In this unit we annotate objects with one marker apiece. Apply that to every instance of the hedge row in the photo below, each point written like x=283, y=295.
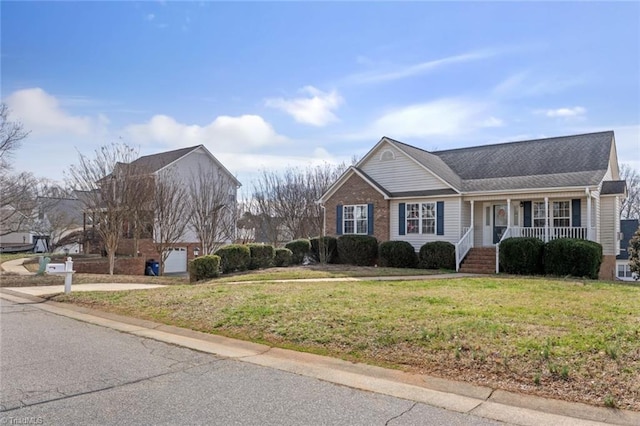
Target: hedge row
x=360, y=250
x=561, y=257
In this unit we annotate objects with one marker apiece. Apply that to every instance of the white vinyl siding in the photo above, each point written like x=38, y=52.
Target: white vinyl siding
x=609, y=225
x=451, y=223
x=400, y=173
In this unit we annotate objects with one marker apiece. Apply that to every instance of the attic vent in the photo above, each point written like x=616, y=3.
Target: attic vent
x=387, y=155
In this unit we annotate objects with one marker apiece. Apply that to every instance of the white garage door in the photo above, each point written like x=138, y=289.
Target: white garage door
x=176, y=260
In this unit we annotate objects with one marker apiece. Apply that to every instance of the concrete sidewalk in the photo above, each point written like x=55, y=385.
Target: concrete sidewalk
x=53, y=289
x=15, y=267
x=460, y=397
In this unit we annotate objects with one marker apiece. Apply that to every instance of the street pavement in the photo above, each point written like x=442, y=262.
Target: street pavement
x=56, y=370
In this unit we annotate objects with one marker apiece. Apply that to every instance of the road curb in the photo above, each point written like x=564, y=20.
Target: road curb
x=455, y=396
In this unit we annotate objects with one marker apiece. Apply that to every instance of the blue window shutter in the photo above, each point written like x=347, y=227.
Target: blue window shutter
x=527, y=214
x=575, y=213
x=401, y=219
x=339, y=219
x=370, y=219
x=440, y=218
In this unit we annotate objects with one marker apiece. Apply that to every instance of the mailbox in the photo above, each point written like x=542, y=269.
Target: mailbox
x=55, y=268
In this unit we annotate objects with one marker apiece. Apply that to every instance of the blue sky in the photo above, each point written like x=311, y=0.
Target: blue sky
x=268, y=85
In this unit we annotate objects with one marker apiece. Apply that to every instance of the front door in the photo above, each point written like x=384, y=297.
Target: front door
x=500, y=221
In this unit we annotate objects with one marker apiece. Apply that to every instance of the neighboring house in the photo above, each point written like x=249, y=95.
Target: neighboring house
x=58, y=219
x=475, y=197
x=628, y=228
x=182, y=165
x=20, y=236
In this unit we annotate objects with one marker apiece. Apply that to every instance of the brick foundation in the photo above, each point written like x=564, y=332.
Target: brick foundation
x=608, y=268
x=357, y=191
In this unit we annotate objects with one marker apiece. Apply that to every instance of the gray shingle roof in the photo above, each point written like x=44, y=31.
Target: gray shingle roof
x=566, y=154
x=154, y=162
x=613, y=187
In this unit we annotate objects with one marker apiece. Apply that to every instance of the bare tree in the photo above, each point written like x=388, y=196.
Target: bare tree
x=286, y=203
x=17, y=201
x=170, y=206
x=105, y=181
x=212, y=207
x=11, y=135
x=630, y=208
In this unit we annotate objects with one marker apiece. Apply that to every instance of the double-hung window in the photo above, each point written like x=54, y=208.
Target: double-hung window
x=355, y=219
x=421, y=218
x=561, y=214
x=539, y=211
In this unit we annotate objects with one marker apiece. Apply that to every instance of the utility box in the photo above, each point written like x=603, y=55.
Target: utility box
x=55, y=268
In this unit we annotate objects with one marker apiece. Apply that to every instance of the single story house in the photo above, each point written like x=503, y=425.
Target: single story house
x=475, y=197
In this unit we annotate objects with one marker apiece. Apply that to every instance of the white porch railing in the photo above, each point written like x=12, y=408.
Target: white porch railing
x=463, y=246
x=582, y=233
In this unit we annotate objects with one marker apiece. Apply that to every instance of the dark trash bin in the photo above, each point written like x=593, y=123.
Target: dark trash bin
x=151, y=267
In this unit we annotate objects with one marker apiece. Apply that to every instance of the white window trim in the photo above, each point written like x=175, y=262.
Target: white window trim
x=420, y=218
x=550, y=213
x=365, y=208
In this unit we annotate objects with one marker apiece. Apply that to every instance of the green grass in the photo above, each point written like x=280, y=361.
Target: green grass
x=322, y=271
x=492, y=331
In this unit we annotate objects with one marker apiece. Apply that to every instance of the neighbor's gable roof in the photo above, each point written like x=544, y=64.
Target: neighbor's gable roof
x=155, y=162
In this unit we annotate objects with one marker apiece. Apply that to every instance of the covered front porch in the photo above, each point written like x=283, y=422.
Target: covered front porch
x=485, y=222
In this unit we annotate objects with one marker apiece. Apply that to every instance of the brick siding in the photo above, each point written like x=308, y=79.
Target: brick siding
x=357, y=191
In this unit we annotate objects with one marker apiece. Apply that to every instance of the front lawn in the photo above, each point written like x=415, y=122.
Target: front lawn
x=564, y=339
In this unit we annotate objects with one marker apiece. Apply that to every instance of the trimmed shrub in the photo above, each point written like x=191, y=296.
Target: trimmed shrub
x=234, y=257
x=437, y=255
x=299, y=249
x=397, y=254
x=204, y=267
x=567, y=256
x=283, y=257
x=324, y=249
x=261, y=256
x=360, y=250
x=522, y=255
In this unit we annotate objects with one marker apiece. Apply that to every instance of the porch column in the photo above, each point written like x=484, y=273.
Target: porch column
x=546, y=219
x=589, y=236
x=471, y=224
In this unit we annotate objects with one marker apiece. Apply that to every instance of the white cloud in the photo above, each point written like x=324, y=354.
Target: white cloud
x=316, y=109
x=442, y=117
x=400, y=72
x=150, y=17
x=225, y=133
x=564, y=112
x=41, y=113
x=522, y=84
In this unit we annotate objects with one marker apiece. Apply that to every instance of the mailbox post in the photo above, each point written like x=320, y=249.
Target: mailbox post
x=65, y=268
x=68, y=271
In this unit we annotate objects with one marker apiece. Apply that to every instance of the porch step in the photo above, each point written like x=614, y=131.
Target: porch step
x=479, y=260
